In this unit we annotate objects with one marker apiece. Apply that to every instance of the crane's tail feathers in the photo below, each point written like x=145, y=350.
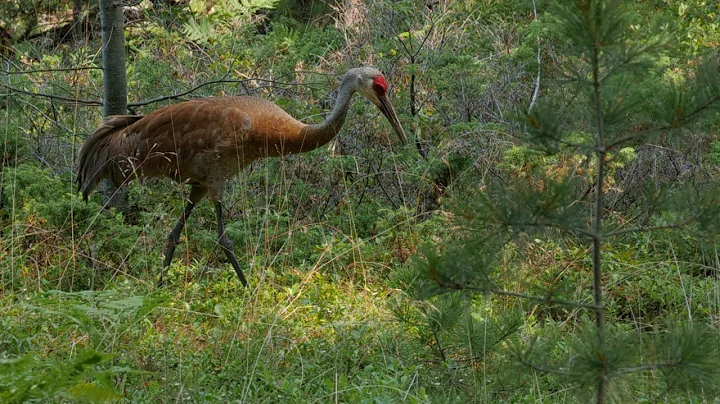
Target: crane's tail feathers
x=100, y=148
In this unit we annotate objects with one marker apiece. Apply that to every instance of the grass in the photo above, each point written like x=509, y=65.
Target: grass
x=319, y=323
x=211, y=339
x=320, y=238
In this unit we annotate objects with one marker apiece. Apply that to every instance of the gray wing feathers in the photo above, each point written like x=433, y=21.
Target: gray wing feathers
x=100, y=149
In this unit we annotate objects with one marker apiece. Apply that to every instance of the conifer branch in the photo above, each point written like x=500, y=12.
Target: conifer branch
x=548, y=299
x=697, y=111
x=557, y=226
x=680, y=121
x=523, y=358
x=654, y=228
x=630, y=57
x=484, y=290
x=545, y=369
x=643, y=368
x=439, y=345
x=635, y=136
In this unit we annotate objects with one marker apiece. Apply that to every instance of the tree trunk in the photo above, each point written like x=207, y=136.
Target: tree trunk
x=77, y=30
x=114, y=81
x=602, y=379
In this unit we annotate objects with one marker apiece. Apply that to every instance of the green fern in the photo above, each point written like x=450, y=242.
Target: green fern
x=28, y=378
x=210, y=22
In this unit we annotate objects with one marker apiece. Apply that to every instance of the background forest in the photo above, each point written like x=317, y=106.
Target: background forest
x=550, y=233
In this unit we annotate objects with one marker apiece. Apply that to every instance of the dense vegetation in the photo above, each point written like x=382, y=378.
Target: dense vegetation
x=549, y=235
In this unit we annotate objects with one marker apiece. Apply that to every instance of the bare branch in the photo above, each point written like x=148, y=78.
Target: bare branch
x=427, y=35
x=91, y=103
x=208, y=83
x=133, y=105
x=68, y=69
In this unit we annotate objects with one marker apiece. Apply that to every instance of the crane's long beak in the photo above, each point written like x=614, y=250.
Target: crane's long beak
x=389, y=112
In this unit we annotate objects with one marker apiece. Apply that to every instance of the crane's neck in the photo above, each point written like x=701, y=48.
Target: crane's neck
x=317, y=135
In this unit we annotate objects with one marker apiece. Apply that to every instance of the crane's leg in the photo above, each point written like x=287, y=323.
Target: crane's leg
x=196, y=194
x=226, y=244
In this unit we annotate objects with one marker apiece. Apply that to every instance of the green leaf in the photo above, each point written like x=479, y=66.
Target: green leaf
x=93, y=393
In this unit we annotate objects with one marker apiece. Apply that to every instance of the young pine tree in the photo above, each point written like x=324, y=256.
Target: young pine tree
x=610, y=98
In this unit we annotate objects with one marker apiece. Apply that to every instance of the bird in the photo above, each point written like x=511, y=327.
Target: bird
x=206, y=141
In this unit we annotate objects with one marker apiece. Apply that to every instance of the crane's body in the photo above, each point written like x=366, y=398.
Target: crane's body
x=203, y=142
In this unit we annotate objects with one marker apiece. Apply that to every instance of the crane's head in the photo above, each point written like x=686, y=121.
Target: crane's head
x=371, y=84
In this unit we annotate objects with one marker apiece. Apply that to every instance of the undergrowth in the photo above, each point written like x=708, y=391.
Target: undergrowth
x=329, y=239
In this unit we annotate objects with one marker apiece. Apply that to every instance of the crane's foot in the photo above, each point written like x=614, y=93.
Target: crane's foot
x=169, y=252
x=173, y=240
x=226, y=244
x=227, y=247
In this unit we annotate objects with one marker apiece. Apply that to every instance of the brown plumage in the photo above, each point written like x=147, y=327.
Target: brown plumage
x=203, y=142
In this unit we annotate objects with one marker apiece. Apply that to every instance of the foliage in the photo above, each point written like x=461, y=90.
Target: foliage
x=22, y=380
x=607, y=67
x=103, y=317
x=212, y=21
x=456, y=269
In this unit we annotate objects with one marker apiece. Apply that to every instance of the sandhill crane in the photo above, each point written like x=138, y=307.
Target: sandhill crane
x=203, y=142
